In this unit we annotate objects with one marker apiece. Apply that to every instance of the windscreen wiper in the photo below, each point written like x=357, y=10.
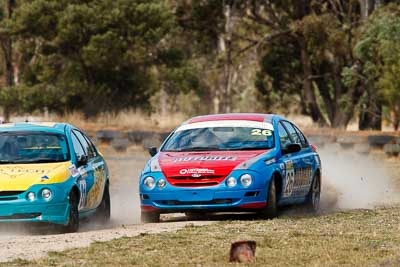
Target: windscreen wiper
x=40, y=160
x=199, y=148
x=247, y=148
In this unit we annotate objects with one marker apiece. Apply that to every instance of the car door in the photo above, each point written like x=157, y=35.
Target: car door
x=287, y=163
x=303, y=161
x=85, y=171
x=98, y=172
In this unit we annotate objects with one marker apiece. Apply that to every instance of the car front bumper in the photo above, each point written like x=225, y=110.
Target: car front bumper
x=26, y=212
x=208, y=198
x=203, y=199
x=17, y=208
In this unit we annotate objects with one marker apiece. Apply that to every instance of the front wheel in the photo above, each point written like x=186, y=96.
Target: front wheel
x=73, y=219
x=150, y=217
x=314, y=195
x=271, y=210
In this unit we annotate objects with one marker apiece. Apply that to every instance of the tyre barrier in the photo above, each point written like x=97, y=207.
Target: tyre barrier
x=392, y=149
x=321, y=140
x=120, y=141
x=380, y=140
x=106, y=136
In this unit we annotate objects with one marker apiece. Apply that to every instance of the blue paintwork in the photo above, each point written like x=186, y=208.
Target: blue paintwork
x=155, y=199
x=56, y=210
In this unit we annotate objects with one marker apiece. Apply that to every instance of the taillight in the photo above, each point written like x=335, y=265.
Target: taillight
x=314, y=148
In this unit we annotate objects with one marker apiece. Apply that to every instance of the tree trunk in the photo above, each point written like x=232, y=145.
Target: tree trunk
x=396, y=117
x=6, y=46
x=367, y=7
x=226, y=84
x=308, y=90
x=370, y=117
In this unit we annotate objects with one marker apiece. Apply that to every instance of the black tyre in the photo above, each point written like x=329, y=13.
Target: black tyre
x=73, y=220
x=103, y=212
x=271, y=210
x=314, y=195
x=150, y=217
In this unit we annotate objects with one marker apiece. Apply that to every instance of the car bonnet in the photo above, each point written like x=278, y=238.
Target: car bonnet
x=19, y=177
x=207, y=163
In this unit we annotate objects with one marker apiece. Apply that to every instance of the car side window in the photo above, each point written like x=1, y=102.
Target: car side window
x=292, y=132
x=91, y=145
x=85, y=144
x=283, y=136
x=303, y=140
x=79, y=151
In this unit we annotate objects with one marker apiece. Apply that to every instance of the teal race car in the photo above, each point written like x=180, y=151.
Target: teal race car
x=51, y=173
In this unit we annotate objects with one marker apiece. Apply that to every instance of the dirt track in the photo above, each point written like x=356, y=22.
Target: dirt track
x=18, y=243
x=125, y=169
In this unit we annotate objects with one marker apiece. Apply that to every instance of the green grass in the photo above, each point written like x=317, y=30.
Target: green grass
x=354, y=238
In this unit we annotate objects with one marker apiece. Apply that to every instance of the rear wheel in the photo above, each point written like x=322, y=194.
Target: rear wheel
x=73, y=220
x=314, y=195
x=150, y=217
x=271, y=210
x=104, y=210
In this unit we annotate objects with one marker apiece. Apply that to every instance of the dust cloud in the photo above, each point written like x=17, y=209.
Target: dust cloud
x=353, y=180
x=124, y=171
x=124, y=189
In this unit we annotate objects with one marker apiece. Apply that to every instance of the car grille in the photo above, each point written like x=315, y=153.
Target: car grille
x=194, y=203
x=8, y=198
x=189, y=181
x=21, y=216
x=9, y=193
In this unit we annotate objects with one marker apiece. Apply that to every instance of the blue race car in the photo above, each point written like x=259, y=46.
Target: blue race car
x=231, y=162
x=51, y=172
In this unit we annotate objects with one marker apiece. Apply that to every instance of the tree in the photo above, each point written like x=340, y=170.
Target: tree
x=378, y=48
x=319, y=35
x=6, y=48
x=95, y=55
x=215, y=32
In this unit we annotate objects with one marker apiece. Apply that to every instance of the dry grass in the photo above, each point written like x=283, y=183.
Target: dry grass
x=128, y=120
x=137, y=120
x=354, y=238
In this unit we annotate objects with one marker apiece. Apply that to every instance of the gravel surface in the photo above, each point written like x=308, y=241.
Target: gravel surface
x=348, y=180
x=18, y=242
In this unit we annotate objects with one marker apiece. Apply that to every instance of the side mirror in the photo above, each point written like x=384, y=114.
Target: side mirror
x=291, y=148
x=152, y=151
x=82, y=160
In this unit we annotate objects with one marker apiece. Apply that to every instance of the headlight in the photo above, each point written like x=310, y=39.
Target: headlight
x=30, y=196
x=155, y=165
x=149, y=182
x=161, y=183
x=46, y=194
x=231, y=182
x=246, y=180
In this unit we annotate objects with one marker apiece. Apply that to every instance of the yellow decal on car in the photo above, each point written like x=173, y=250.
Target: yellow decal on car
x=20, y=177
x=95, y=193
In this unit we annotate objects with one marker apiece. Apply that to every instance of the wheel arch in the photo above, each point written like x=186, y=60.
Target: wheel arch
x=317, y=173
x=75, y=190
x=278, y=183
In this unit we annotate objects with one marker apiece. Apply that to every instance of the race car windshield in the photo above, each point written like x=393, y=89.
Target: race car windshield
x=32, y=147
x=220, y=138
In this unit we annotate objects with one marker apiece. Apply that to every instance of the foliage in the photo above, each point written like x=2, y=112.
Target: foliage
x=323, y=58
x=99, y=54
x=379, y=50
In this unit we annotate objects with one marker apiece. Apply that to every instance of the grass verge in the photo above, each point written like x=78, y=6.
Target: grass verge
x=353, y=238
